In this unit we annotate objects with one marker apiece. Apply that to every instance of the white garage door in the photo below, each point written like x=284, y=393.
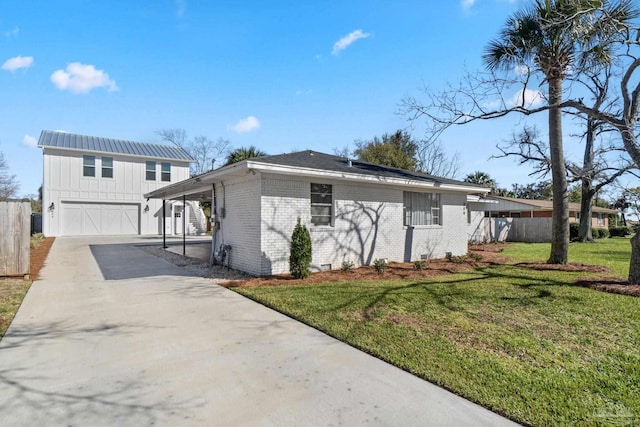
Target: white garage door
x=99, y=218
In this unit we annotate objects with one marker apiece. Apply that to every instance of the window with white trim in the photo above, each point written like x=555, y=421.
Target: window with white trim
x=600, y=219
x=107, y=167
x=151, y=171
x=421, y=208
x=88, y=165
x=165, y=172
x=321, y=204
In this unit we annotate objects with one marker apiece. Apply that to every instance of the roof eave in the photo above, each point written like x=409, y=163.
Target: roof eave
x=111, y=153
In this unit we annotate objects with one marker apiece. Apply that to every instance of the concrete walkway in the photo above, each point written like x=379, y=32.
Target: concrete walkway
x=114, y=336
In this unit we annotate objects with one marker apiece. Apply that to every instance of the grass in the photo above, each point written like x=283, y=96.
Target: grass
x=524, y=343
x=12, y=292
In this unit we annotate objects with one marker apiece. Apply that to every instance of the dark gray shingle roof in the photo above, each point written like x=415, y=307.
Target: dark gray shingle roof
x=316, y=160
x=71, y=141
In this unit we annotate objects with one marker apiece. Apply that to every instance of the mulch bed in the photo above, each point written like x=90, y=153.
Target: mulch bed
x=38, y=257
x=490, y=255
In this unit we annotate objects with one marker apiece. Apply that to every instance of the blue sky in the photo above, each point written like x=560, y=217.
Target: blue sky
x=279, y=75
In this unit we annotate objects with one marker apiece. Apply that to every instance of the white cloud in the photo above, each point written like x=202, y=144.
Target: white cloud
x=467, y=4
x=348, y=40
x=522, y=69
x=246, y=125
x=532, y=99
x=304, y=92
x=29, y=141
x=17, y=62
x=79, y=78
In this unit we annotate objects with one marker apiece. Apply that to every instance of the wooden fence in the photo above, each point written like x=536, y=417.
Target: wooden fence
x=15, y=230
x=517, y=229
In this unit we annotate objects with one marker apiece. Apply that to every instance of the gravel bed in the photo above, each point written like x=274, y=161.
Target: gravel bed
x=196, y=266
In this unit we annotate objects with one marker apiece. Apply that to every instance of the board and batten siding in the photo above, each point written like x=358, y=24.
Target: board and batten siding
x=64, y=183
x=15, y=230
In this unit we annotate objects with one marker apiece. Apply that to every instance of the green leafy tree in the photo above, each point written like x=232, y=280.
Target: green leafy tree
x=397, y=150
x=244, y=153
x=554, y=37
x=481, y=178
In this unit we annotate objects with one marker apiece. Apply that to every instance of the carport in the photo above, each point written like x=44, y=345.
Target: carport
x=200, y=188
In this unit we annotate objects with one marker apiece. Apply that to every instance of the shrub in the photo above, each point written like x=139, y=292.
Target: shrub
x=620, y=231
x=419, y=265
x=300, y=255
x=600, y=233
x=574, y=231
x=347, y=266
x=474, y=256
x=380, y=265
x=36, y=240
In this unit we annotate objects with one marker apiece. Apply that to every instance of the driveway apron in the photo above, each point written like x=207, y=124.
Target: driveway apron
x=112, y=335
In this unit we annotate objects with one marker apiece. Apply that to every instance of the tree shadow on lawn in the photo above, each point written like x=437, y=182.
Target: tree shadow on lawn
x=446, y=292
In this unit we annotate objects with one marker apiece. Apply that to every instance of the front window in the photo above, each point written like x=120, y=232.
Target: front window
x=321, y=203
x=151, y=171
x=421, y=208
x=165, y=172
x=600, y=220
x=88, y=165
x=107, y=167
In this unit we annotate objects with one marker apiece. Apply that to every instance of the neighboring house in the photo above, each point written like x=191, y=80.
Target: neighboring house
x=509, y=207
x=95, y=186
x=355, y=211
x=523, y=220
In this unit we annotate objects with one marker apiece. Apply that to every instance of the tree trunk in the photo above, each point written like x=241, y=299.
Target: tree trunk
x=584, y=231
x=634, y=267
x=560, y=217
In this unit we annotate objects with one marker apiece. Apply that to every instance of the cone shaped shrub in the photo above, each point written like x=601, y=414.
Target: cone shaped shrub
x=300, y=256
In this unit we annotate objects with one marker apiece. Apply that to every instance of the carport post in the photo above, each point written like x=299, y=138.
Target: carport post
x=164, y=226
x=184, y=225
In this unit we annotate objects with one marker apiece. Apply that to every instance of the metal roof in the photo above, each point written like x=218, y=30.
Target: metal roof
x=547, y=205
x=70, y=141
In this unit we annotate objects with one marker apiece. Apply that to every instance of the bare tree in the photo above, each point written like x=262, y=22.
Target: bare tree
x=433, y=159
x=203, y=150
x=8, y=183
x=551, y=38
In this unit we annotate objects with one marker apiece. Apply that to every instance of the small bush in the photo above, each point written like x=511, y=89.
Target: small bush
x=419, y=265
x=620, y=231
x=347, y=266
x=36, y=240
x=456, y=259
x=574, y=231
x=449, y=256
x=474, y=256
x=300, y=255
x=600, y=233
x=380, y=265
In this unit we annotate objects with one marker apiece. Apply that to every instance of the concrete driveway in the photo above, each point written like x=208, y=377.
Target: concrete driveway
x=154, y=345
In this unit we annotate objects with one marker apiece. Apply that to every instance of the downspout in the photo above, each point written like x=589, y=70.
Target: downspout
x=214, y=230
x=164, y=225
x=184, y=225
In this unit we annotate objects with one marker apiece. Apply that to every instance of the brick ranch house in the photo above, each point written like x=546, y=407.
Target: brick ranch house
x=355, y=211
x=509, y=207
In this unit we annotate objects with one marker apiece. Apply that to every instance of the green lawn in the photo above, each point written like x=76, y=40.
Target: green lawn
x=524, y=343
x=12, y=291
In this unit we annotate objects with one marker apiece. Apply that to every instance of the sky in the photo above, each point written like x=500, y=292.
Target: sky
x=283, y=76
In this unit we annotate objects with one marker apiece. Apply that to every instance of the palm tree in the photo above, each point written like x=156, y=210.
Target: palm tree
x=553, y=37
x=481, y=178
x=243, y=153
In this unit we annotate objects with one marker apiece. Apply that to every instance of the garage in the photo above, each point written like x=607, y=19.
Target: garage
x=82, y=219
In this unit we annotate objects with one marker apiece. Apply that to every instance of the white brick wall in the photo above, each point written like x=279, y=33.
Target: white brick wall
x=240, y=226
x=367, y=224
